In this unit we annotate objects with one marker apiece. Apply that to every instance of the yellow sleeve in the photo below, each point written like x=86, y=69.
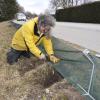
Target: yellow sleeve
x=48, y=46
x=27, y=35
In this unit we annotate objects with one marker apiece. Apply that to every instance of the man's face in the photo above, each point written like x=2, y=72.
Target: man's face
x=44, y=29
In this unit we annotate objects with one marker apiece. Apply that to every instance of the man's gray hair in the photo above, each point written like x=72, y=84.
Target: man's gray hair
x=46, y=19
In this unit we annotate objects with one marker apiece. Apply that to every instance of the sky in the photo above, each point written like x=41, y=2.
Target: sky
x=36, y=6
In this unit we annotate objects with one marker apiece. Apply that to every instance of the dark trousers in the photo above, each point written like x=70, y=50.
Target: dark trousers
x=13, y=55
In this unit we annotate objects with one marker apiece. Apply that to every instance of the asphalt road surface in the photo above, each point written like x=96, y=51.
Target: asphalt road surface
x=85, y=35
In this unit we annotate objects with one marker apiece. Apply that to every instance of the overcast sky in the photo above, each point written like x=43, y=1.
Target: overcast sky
x=36, y=6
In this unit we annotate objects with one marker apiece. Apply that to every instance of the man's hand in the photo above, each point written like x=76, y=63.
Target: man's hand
x=42, y=57
x=54, y=59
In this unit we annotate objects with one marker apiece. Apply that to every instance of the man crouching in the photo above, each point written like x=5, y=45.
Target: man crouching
x=29, y=36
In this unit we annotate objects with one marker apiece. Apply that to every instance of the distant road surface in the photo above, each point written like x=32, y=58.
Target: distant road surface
x=86, y=35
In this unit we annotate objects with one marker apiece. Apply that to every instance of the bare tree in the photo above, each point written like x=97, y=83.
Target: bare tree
x=70, y=3
x=20, y=9
x=64, y=3
x=55, y=4
x=61, y=3
x=77, y=2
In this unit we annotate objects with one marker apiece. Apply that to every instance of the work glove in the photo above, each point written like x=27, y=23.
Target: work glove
x=54, y=59
x=42, y=57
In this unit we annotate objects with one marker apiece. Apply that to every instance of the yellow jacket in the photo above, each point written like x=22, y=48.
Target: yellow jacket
x=28, y=37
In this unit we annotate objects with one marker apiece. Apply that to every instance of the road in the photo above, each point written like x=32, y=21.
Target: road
x=85, y=35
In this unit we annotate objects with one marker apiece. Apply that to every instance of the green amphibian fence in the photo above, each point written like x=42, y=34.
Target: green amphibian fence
x=77, y=69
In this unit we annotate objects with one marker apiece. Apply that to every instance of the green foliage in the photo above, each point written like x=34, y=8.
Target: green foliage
x=8, y=9
x=88, y=13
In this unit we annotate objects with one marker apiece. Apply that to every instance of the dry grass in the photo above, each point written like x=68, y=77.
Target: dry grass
x=29, y=79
